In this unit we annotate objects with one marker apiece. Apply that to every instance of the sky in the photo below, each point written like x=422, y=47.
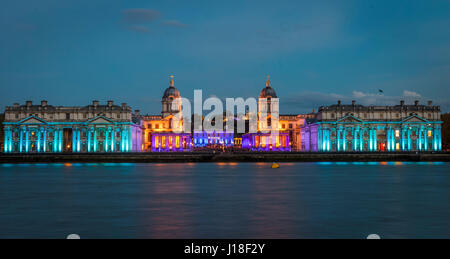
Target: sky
x=71, y=52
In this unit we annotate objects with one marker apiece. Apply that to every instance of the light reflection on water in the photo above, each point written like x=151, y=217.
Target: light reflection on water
x=225, y=200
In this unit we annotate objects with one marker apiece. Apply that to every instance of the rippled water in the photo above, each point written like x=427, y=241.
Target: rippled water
x=225, y=200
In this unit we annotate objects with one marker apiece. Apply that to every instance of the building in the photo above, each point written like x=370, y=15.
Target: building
x=163, y=133
x=340, y=128
x=268, y=137
x=92, y=128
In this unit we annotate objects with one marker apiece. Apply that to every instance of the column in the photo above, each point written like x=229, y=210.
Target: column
x=106, y=141
x=95, y=140
x=88, y=131
x=38, y=144
x=44, y=140
x=6, y=143
x=319, y=139
x=60, y=139
x=27, y=141
x=130, y=139
x=74, y=140
x=79, y=140
x=113, y=139
x=361, y=139
x=439, y=138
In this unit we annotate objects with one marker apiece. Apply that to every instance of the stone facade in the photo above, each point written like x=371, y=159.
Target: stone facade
x=91, y=128
x=374, y=128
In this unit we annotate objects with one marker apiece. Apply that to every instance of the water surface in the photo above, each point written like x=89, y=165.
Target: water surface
x=225, y=200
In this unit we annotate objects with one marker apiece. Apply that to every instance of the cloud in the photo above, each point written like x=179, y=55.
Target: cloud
x=407, y=93
x=174, y=23
x=140, y=15
x=139, y=28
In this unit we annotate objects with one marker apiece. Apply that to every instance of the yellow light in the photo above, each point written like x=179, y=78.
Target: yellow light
x=397, y=133
x=430, y=133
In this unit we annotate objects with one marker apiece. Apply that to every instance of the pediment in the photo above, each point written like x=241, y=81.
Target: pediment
x=414, y=118
x=33, y=120
x=100, y=120
x=349, y=119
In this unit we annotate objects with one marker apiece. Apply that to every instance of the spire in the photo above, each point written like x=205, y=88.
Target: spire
x=268, y=81
x=171, y=81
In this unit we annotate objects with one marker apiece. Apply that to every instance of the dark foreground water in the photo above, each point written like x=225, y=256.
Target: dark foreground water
x=225, y=200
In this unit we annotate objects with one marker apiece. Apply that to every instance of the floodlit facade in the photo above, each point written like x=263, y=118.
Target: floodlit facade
x=162, y=133
x=93, y=128
x=357, y=128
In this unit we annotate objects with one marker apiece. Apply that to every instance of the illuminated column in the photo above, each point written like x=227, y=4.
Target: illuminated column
x=122, y=138
x=60, y=139
x=338, y=140
x=27, y=141
x=419, y=140
x=113, y=140
x=95, y=140
x=404, y=132
x=74, y=140
x=319, y=139
x=11, y=140
x=44, y=140
x=439, y=138
x=38, y=143
x=106, y=142
x=79, y=140
x=130, y=139
x=388, y=138
x=89, y=140
x=425, y=137
x=5, y=146
x=361, y=139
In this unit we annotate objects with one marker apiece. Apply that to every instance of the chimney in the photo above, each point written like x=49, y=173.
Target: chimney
x=110, y=103
x=16, y=105
x=95, y=103
x=416, y=102
x=43, y=103
x=402, y=102
x=29, y=103
x=137, y=112
x=339, y=102
x=430, y=103
x=353, y=102
x=124, y=105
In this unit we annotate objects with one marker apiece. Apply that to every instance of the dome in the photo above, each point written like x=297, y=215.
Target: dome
x=268, y=91
x=171, y=91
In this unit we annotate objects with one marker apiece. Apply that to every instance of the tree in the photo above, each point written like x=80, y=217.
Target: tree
x=445, y=131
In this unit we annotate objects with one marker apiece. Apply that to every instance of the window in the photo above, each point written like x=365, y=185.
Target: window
x=290, y=125
x=365, y=115
x=67, y=116
x=430, y=133
x=269, y=122
x=429, y=115
x=157, y=126
x=332, y=115
x=397, y=133
x=149, y=126
x=283, y=126
x=381, y=115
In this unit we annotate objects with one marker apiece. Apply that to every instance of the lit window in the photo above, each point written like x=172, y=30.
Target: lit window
x=430, y=133
x=397, y=133
x=397, y=146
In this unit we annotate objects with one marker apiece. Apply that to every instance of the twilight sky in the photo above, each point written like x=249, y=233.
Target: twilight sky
x=71, y=52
